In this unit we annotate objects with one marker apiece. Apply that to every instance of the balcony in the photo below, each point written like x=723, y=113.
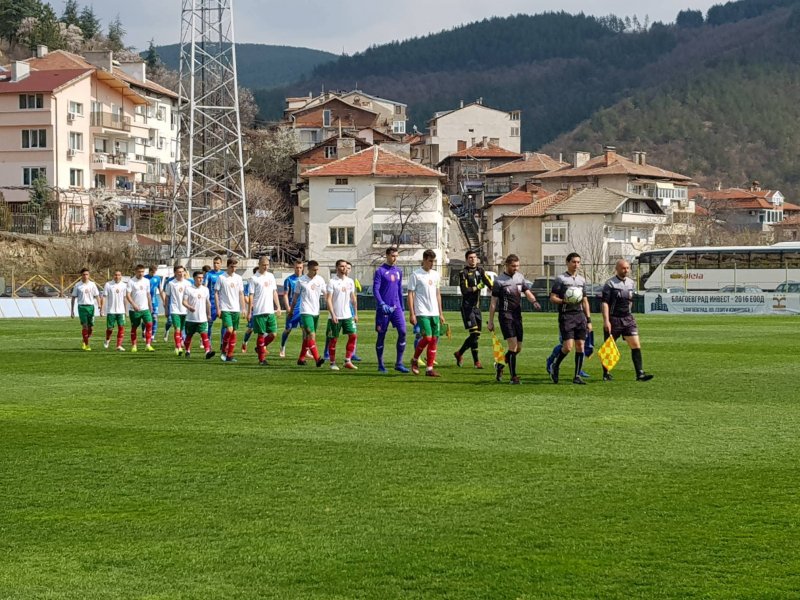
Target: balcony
x=101, y=160
x=108, y=120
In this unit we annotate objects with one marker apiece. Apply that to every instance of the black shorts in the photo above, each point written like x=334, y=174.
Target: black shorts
x=471, y=318
x=623, y=326
x=511, y=326
x=572, y=325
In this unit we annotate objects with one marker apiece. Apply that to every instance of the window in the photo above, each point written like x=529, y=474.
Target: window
x=100, y=145
x=515, y=115
x=326, y=118
x=31, y=174
x=418, y=234
x=161, y=114
x=555, y=233
x=633, y=206
x=31, y=101
x=433, y=131
x=398, y=109
x=76, y=214
x=341, y=199
x=122, y=220
x=34, y=138
x=330, y=152
x=343, y=236
x=161, y=142
x=515, y=132
x=76, y=178
x=341, y=181
x=399, y=127
x=75, y=140
x=76, y=108
x=554, y=259
x=100, y=180
x=494, y=141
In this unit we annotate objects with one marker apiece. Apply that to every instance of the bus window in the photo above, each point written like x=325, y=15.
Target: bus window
x=738, y=260
x=766, y=260
x=791, y=258
x=648, y=262
x=708, y=260
x=683, y=259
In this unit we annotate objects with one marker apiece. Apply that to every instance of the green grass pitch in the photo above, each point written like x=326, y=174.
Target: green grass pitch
x=150, y=476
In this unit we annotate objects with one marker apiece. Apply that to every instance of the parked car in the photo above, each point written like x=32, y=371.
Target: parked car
x=741, y=289
x=675, y=289
x=22, y=292
x=789, y=287
x=46, y=291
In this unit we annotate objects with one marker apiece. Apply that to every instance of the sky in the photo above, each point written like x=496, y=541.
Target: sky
x=353, y=25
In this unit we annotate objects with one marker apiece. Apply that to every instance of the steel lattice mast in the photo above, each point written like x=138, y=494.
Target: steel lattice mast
x=210, y=211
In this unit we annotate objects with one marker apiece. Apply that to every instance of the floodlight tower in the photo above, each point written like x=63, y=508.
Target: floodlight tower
x=210, y=211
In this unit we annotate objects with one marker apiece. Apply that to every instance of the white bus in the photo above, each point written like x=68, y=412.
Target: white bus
x=712, y=268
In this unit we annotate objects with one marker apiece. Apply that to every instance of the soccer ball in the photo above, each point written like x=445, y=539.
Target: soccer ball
x=573, y=295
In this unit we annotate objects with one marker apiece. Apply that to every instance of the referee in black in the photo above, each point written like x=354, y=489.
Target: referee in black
x=574, y=320
x=472, y=280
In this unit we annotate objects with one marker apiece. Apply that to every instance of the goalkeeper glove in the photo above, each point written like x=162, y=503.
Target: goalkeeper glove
x=387, y=310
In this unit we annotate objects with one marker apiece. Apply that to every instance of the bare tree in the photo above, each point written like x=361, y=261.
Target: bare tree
x=269, y=154
x=269, y=219
x=589, y=241
x=407, y=224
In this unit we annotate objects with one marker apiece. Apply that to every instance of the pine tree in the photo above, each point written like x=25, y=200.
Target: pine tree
x=70, y=16
x=116, y=34
x=89, y=23
x=12, y=12
x=152, y=58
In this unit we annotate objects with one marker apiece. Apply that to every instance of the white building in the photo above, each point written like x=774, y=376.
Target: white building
x=361, y=204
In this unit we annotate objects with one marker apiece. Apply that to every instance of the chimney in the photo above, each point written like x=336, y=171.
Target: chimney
x=561, y=157
x=41, y=51
x=345, y=146
x=136, y=69
x=485, y=142
x=462, y=104
x=718, y=186
x=580, y=158
x=610, y=154
x=19, y=70
x=527, y=155
x=755, y=186
x=461, y=145
x=102, y=59
x=640, y=158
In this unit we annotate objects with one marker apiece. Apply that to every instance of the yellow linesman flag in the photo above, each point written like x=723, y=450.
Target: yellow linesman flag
x=609, y=353
x=448, y=332
x=497, y=349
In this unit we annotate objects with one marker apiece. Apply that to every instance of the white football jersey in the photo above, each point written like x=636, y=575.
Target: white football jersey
x=139, y=289
x=175, y=291
x=197, y=297
x=310, y=292
x=425, y=285
x=85, y=292
x=262, y=290
x=229, y=288
x=115, y=297
x=340, y=291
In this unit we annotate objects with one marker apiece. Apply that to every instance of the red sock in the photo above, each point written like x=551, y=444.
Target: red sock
x=148, y=333
x=177, y=337
x=187, y=344
x=269, y=339
x=89, y=331
x=206, y=342
x=312, y=345
x=85, y=334
x=133, y=335
x=303, y=349
x=261, y=348
x=332, y=349
x=225, y=335
x=231, y=343
x=108, y=334
x=120, y=335
x=421, y=346
x=432, y=344
x=351, y=346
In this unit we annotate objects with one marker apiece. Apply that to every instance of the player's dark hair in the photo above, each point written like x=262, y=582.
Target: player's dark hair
x=312, y=264
x=428, y=254
x=299, y=261
x=217, y=257
x=572, y=255
x=469, y=253
x=153, y=268
x=84, y=270
x=349, y=264
x=340, y=261
x=139, y=266
x=511, y=258
x=255, y=270
x=176, y=266
x=206, y=269
x=196, y=273
x=391, y=249
x=232, y=261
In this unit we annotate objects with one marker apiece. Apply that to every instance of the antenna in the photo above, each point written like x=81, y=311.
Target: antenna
x=210, y=212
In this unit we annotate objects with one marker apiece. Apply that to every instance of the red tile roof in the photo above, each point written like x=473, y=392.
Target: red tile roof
x=792, y=221
x=42, y=81
x=521, y=195
x=539, y=207
x=614, y=164
x=480, y=150
x=740, y=199
x=372, y=162
x=536, y=163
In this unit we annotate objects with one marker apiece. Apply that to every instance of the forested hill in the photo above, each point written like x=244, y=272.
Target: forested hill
x=261, y=65
x=611, y=78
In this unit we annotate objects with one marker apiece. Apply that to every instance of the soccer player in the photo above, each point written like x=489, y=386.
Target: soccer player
x=114, y=292
x=229, y=292
x=210, y=281
x=308, y=290
x=574, y=318
x=198, y=307
x=471, y=281
x=289, y=290
x=618, y=319
x=140, y=302
x=249, y=331
x=264, y=306
x=156, y=294
x=84, y=293
x=507, y=291
x=425, y=310
x=343, y=310
x=176, y=289
x=353, y=310
x=387, y=286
